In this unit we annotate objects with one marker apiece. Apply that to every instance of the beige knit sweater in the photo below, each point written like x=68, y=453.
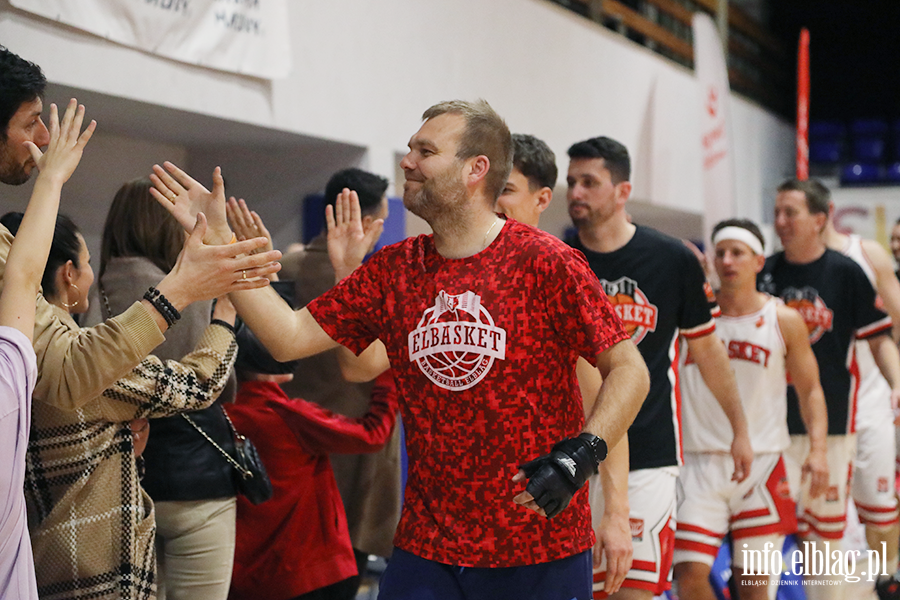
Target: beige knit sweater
x=76, y=365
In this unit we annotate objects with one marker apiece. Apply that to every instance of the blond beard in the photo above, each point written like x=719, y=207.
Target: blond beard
x=440, y=199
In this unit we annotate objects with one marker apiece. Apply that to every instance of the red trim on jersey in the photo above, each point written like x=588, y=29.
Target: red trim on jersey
x=637, y=585
x=885, y=516
x=785, y=507
x=700, y=330
x=874, y=329
x=826, y=519
x=875, y=523
x=695, y=529
x=666, y=549
x=854, y=391
x=751, y=514
x=835, y=532
x=779, y=528
x=676, y=394
x=827, y=535
x=880, y=509
x=643, y=565
x=691, y=545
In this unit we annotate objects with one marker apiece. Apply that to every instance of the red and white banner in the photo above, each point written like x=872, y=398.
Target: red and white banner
x=242, y=36
x=715, y=126
x=803, y=106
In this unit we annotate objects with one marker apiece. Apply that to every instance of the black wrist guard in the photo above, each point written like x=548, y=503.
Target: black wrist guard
x=554, y=478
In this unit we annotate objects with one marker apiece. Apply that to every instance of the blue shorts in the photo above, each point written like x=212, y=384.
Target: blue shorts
x=410, y=577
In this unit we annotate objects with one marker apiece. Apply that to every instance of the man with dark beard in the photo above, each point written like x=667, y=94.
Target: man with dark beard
x=659, y=290
x=482, y=323
x=91, y=360
x=21, y=105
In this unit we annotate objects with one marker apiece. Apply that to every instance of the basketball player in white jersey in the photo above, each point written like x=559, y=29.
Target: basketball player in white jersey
x=872, y=486
x=765, y=340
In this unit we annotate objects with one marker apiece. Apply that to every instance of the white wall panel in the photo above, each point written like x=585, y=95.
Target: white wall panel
x=364, y=72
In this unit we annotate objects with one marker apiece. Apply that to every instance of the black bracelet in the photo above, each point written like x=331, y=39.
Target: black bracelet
x=162, y=306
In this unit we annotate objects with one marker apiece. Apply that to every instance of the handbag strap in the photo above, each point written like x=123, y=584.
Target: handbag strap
x=238, y=437
x=234, y=432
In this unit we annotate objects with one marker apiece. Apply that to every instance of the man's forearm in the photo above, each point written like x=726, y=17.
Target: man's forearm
x=625, y=386
x=887, y=358
x=614, y=479
x=715, y=368
x=815, y=419
x=287, y=334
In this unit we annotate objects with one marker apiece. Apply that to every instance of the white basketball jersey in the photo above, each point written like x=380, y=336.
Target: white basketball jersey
x=874, y=397
x=756, y=351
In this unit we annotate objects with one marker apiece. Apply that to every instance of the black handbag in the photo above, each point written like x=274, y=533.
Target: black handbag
x=252, y=482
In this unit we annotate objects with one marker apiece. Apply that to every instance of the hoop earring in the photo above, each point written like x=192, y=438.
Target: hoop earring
x=74, y=304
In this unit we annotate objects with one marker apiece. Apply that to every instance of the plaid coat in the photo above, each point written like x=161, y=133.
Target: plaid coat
x=92, y=525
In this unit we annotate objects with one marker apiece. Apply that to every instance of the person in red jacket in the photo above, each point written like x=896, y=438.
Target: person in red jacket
x=296, y=545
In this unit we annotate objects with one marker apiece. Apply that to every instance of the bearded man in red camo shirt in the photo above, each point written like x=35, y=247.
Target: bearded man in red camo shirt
x=482, y=322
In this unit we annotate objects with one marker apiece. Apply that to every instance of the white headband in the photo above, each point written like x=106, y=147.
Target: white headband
x=740, y=234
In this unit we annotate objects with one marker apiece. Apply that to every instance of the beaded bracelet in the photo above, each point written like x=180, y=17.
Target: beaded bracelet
x=162, y=306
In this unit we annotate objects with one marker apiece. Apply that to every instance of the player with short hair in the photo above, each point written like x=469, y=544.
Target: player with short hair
x=660, y=291
x=838, y=304
x=766, y=342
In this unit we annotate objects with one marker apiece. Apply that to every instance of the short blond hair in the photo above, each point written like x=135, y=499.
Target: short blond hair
x=485, y=134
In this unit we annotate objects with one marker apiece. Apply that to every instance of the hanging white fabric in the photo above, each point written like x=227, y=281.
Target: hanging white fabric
x=241, y=36
x=715, y=126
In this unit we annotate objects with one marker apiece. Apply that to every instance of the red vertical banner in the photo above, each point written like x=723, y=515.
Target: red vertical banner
x=803, y=105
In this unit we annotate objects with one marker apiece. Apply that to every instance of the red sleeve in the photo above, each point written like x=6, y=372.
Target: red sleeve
x=321, y=431
x=578, y=308
x=351, y=312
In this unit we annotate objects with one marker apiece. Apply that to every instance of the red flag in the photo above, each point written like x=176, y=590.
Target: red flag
x=803, y=106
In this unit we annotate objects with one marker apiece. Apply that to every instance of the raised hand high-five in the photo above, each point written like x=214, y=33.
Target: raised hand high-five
x=66, y=146
x=348, y=239
x=206, y=271
x=184, y=197
x=247, y=224
x=29, y=251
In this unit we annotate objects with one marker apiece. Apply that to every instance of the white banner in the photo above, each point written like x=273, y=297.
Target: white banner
x=715, y=126
x=243, y=36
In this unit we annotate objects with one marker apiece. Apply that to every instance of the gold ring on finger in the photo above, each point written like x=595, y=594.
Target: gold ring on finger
x=243, y=274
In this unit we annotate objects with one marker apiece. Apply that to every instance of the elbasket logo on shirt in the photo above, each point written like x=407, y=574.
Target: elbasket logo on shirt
x=817, y=316
x=632, y=306
x=456, y=342
x=740, y=350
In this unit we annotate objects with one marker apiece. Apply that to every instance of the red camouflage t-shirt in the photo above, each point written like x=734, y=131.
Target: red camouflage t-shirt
x=483, y=349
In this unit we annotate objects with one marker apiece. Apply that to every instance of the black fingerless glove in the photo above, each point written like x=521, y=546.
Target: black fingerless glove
x=554, y=478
